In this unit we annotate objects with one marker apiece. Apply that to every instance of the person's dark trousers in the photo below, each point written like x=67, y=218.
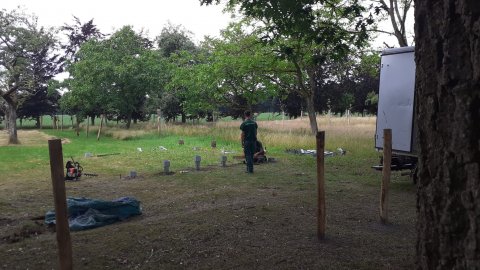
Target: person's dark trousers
x=249, y=150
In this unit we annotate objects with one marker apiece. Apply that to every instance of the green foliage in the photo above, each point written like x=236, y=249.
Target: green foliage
x=27, y=62
x=235, y=71
x=372, y=98
x=77, y=34
x=369, y=64
x=319, y=21
x=309, y=34
x=174, y=39
x=113, y=76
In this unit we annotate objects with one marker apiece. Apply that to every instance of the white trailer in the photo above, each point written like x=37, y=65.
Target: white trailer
x=396, y=110
x=396, y=99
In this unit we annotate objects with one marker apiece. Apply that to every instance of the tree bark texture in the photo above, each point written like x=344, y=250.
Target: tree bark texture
x=12, y=124
x=448, y=116
x=77, y=125
x=129, y=120
x=312, y=116
x=37, y=121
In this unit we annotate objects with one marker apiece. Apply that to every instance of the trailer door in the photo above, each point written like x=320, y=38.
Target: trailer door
x=396, y=98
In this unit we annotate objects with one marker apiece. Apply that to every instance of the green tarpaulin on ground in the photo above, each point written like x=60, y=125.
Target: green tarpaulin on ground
x=84, y=213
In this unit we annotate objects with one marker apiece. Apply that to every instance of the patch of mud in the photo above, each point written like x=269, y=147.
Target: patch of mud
x=6, y=221
x=26, y=231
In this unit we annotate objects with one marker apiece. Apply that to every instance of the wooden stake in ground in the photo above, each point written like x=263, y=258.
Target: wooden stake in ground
x=60, y=200
x=77, y=125
x=54, y=122
x=386, y=172
x=159, y=113
x=321, y=215
x=101, y=125
x=88, y=126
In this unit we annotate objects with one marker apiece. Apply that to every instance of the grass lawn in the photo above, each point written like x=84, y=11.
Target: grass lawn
x=215, y=218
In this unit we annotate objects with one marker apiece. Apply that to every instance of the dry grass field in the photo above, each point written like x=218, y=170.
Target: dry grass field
x=215, y=218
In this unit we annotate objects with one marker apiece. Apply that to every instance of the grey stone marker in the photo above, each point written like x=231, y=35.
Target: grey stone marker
x=133, y=174
x=197, y=162
x=223, y=161
x=166, y=166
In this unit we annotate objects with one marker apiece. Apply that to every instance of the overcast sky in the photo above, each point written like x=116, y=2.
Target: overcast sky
x=150, y=15
x=110, y=15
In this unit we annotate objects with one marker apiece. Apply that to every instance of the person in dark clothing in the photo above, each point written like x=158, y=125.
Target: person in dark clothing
x=249, y=139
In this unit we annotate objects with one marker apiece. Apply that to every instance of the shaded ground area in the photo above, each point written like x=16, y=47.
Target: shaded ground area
x=222, y=218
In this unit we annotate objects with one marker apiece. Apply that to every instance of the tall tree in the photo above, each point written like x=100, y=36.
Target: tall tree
x=22, y=45
x=233, y=71
x=397, y=12
x=77, y=34
x=173, y=41
x=39, y=103
x=308, y=32
x=114, y=74
x=448, y=116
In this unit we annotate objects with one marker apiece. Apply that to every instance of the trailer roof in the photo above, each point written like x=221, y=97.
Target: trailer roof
x=398, y=50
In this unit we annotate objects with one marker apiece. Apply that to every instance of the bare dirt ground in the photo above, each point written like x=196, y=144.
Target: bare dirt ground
x=220, y=219
x=26, y=137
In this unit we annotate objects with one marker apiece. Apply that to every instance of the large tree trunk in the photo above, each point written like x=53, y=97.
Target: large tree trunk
x=12, y=123
x=54, y=122
x=6, y=117
x=129, y=121
x=37, y=121
x=77, y=125
x=448, y=115
x=184, y=118
x=312, y=114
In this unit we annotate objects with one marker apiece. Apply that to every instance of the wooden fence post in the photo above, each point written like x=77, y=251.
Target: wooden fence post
x=102, y=116
x=60, y=200
x=88, y=126
x=386, y=172
x=321, y=215
x=159, y=115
